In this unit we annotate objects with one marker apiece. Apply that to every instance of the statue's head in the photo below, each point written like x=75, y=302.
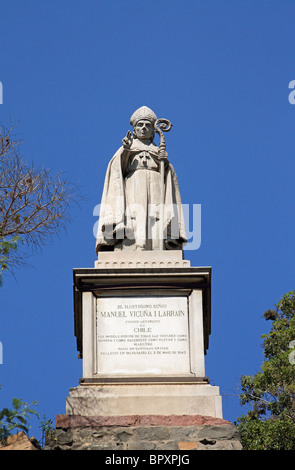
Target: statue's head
x=143, y=122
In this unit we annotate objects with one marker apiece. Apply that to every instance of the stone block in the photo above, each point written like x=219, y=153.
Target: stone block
x=144, y=433
x=145, y=399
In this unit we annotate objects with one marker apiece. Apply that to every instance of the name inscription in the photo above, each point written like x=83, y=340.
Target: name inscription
x=130, y=334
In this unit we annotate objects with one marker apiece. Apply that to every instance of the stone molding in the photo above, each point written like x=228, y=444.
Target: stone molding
x=74, y=421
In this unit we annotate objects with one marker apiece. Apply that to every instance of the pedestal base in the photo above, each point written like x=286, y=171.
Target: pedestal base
x=142, y=326
x=131, y=433
x=145, y=399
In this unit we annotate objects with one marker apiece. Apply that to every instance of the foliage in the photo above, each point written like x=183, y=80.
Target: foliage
x=16, y=418
x=46, y=426
x=270, y=423
x=34, y=204
x=5, y=249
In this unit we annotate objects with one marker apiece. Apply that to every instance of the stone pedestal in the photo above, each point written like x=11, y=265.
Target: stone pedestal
x=143, y=334
x=142, y=327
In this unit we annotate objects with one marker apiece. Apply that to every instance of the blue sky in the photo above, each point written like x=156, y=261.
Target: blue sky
x=73, y=72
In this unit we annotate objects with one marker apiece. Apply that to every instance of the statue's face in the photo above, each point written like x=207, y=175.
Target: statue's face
x=144, y=129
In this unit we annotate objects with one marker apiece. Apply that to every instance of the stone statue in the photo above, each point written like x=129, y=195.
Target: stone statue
x=141, y=205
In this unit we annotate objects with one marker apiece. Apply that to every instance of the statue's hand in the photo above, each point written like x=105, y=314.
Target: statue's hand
x=163, y=155
x=127, y=141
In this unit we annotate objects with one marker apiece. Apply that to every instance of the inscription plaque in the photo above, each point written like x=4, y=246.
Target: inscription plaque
x=142, y=336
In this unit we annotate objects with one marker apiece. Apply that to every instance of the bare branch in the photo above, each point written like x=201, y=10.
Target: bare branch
x=34, y=204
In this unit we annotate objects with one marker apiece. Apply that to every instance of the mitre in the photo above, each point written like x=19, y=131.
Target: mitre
x=143, y=113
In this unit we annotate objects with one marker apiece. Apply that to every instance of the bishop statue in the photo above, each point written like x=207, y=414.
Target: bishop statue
x=141, y=205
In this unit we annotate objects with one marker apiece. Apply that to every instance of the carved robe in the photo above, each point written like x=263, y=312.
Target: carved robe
x=131, y=202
